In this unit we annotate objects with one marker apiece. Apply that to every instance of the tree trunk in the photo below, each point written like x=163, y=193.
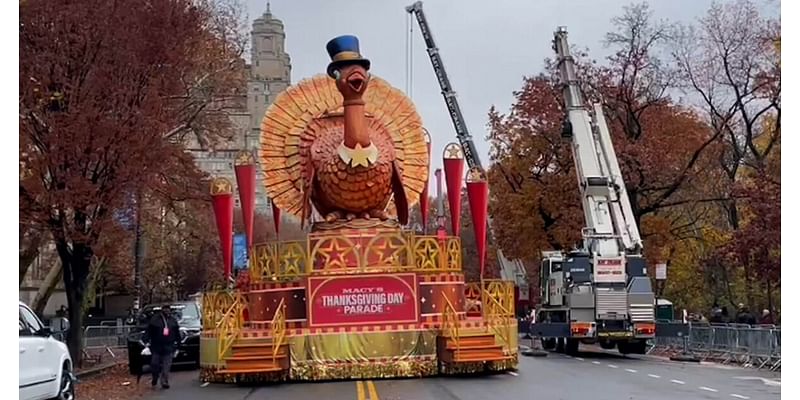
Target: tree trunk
x=47, y=288
x=28, y=255
x=75, y=262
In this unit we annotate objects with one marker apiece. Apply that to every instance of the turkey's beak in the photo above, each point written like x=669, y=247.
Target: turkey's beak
x=356, y=80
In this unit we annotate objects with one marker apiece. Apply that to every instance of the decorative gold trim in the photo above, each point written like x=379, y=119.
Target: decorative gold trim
x=327, y=252
x=346, y=55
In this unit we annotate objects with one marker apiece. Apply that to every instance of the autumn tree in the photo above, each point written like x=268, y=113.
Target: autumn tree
x=730, y=61
x=533, y=200
x=106, y=90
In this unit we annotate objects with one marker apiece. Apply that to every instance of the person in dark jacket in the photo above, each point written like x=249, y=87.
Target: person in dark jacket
x=726, y=316
x=744, y=316
x=163, y=334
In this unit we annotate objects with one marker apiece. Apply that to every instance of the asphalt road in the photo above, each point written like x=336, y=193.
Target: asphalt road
x=593, y=374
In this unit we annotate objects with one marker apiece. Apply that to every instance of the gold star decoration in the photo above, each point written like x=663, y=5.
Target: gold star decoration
x=363, y=156
x=453, y=151
x=221, y=186
x=475, y=174
x=245, y=157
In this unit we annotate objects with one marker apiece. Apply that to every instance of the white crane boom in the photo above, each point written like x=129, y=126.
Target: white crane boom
x=611, y=230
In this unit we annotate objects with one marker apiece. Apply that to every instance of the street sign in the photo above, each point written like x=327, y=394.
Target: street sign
x=661, y=272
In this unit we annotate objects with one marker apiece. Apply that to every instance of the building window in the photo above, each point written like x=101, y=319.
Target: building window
x=266, y=100
x=256, y=98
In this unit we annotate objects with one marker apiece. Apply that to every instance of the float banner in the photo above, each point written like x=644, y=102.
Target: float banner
x=222, y=202
x=245, y=170
x=362, y=300
x=478, y=193
x=454, y=177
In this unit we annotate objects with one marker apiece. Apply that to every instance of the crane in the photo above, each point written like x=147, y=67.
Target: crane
x=611, y=229
x=601, y=292
x=508, y=267
x=464, y=138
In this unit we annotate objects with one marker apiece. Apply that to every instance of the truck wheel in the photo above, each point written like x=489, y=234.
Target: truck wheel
x=572, y=346
x=548, y=343
x=637, y=347
x=560, y=345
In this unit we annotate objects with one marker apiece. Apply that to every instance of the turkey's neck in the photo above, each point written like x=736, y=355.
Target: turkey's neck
x=355, y=124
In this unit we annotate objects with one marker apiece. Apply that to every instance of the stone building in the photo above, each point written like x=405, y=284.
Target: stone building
x=269, y=73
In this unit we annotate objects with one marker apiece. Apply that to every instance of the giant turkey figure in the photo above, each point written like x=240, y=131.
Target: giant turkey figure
x=346, y=143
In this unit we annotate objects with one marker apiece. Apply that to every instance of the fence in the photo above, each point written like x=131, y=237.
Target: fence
x=100, y=342
x=751, y=346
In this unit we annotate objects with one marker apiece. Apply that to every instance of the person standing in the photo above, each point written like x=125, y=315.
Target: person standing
x=163, y=334
x=766, y=318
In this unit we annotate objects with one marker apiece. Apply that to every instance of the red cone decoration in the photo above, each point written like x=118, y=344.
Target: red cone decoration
x=478, y=193
x=454, y=177
x=222, y=200
x=245, y=168
x=276, y=219
x=423, y=199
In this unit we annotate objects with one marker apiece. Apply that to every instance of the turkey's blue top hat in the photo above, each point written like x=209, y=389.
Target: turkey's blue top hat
x=343, y=50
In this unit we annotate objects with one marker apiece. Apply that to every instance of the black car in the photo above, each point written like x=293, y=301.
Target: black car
x=189, y=321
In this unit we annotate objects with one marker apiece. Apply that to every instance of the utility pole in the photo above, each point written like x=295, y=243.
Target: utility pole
x=138, y=256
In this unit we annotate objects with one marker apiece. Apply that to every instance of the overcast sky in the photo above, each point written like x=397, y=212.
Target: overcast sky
x=487, y=46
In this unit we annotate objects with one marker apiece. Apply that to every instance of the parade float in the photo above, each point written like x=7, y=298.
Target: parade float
x=362, y=296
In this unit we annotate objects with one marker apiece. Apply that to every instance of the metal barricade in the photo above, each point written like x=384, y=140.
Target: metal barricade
x=749, y=346
x=106, y=338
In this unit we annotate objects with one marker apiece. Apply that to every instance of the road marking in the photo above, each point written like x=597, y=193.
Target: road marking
x=204, y=384
x=373, y=393
x=579, y=359
x=612, y=366
x=654, y=376
x=708, y=389
x=738, y=396
x=596, y=362
x=512, y=373
x=360, y=390
x=633, y=371
x=768, y=382
x=678, y=382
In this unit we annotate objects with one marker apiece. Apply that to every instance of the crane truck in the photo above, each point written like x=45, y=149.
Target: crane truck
x=599, y=293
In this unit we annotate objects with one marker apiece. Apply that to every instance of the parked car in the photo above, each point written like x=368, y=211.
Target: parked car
x=45, y=367
x=189, y=321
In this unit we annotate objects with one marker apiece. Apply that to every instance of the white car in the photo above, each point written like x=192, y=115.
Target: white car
x=45, y=367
